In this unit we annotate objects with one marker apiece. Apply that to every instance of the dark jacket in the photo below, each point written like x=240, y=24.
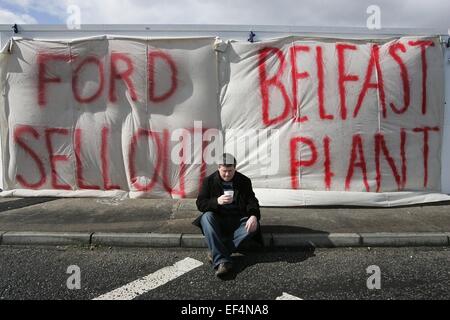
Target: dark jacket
x=243, y=194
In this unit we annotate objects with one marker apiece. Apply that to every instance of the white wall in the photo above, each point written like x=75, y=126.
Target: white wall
x=235, y=32
x=445, y=174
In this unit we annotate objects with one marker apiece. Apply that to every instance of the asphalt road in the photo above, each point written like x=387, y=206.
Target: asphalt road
x=405, y=273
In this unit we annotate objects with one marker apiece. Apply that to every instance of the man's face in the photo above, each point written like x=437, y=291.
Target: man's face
x=226, y=172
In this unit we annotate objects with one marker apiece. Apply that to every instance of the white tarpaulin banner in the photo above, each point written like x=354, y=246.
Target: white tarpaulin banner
x=312, y=121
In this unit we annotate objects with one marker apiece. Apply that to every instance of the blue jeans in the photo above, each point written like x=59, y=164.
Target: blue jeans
x=223, y=234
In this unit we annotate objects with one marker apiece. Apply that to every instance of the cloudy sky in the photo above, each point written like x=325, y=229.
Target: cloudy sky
x=394, y=13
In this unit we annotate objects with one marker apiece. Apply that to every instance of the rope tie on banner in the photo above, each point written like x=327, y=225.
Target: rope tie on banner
x=15, y=29
x=251, y=37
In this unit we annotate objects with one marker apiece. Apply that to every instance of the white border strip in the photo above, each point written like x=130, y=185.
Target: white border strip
x=294, y=198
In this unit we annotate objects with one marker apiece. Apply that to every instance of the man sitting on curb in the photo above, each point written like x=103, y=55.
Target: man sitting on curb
x=230, y=213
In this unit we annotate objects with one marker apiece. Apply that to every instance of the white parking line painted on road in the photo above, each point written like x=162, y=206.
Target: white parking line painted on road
x=152, y=281
x=287, y=296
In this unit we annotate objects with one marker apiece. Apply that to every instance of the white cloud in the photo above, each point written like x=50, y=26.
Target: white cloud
x=8, y=17
x=21, y=3
x=51, y=7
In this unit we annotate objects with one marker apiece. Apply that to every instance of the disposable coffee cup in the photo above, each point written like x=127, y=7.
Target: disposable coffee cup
x=229, y=193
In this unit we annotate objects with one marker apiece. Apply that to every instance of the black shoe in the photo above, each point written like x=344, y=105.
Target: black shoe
x=224, y=269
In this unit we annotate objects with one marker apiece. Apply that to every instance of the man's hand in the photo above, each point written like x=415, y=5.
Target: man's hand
x=252, y=224
x=223, y=199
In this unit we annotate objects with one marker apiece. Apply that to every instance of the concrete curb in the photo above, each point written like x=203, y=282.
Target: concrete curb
x=317, y=240
x=136, y=239
x=268, y=239
x=45, y=238
x=404, y=239
x=193, y=241
x=156, y=240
